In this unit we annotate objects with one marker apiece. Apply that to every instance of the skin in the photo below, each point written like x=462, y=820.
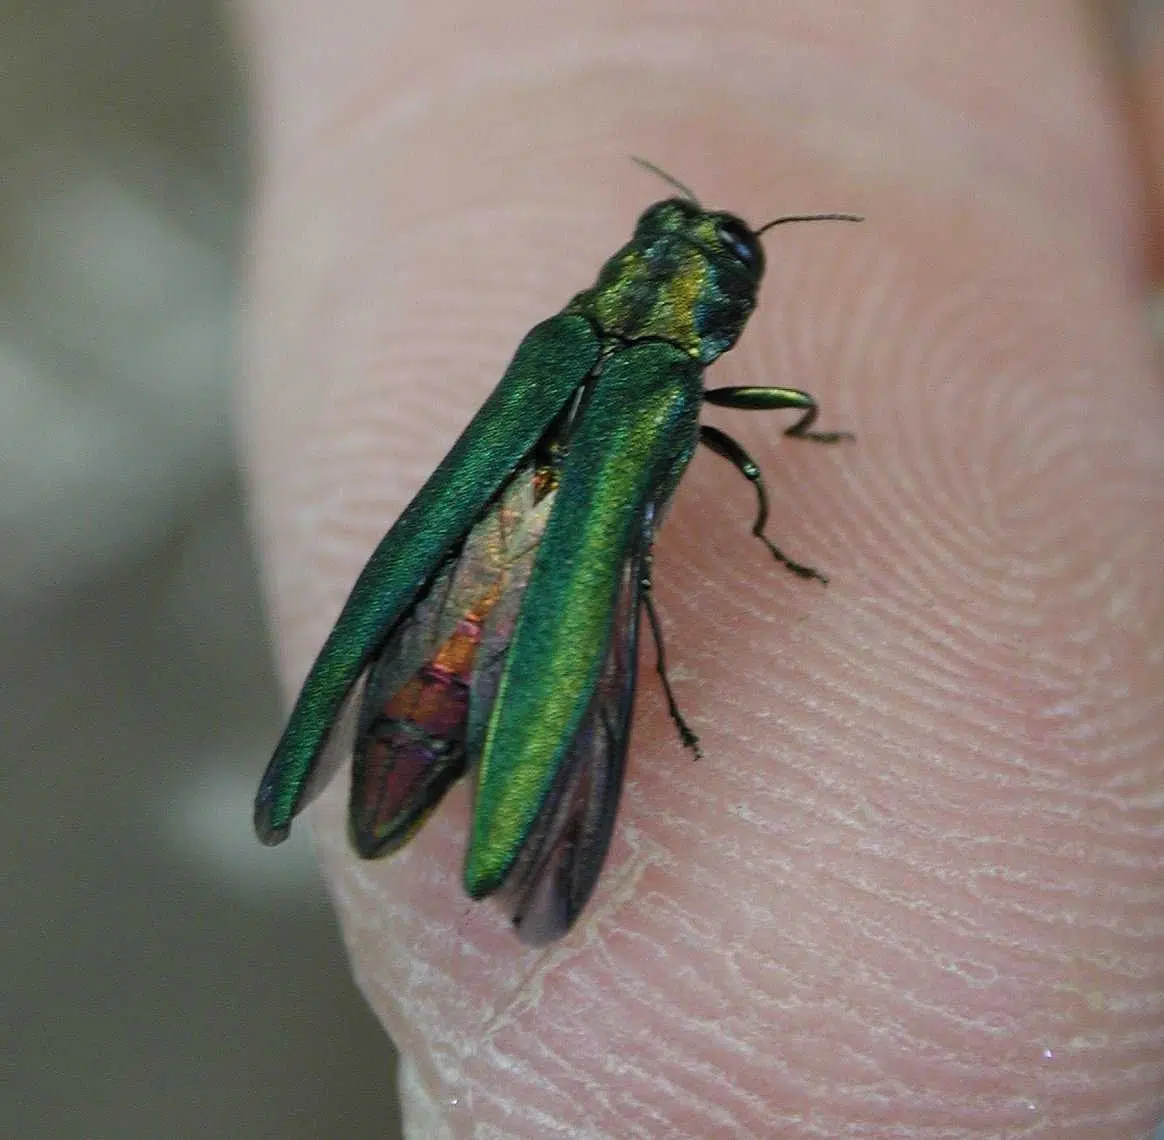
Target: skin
x=915, y=888
x=1146, y=99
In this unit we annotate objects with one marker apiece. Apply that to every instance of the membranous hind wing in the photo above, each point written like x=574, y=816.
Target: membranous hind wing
x=426, y=625
x=546, y=747
x=561, y=861
x=550, y=365
x=411, y=742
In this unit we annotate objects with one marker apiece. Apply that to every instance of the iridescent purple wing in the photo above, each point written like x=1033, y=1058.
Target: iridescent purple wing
x=561, y=861
x=410, y=741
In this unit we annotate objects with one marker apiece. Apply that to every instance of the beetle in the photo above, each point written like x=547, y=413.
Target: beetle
x=494, y=630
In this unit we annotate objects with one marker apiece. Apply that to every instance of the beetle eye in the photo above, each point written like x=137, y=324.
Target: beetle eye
x=740, y=242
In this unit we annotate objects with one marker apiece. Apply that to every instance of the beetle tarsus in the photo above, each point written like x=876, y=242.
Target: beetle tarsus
x=686, y=735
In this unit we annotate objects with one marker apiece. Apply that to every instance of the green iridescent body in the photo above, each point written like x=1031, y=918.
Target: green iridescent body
x=602, y=402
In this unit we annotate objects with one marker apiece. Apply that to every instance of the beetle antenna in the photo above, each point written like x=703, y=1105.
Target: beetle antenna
x=670, y=179
x=809, y=218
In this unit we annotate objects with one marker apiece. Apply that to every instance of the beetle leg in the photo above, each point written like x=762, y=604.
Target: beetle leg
x=723, y=444
x=689, y=739
x=776, y=399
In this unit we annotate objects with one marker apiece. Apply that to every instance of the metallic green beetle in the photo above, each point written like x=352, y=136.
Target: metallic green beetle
x=495, y=628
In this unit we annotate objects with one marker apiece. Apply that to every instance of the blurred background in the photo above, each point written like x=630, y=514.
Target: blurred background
x=164, y=975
